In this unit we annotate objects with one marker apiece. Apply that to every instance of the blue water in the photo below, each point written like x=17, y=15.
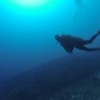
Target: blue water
x=27, y=37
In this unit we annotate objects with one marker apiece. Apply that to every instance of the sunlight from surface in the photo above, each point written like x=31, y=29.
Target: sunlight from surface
x=30, y=3
x=30, y=6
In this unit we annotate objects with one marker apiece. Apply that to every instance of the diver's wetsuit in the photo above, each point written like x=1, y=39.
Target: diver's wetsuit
x=69, y=43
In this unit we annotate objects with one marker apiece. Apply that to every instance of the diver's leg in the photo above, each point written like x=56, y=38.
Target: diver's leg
x=92, y=38
x=88, y=49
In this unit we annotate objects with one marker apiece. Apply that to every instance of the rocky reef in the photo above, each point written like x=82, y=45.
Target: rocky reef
x=68, y=78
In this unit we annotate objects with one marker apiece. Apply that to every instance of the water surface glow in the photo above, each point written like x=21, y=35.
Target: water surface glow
x=27, y=6
x=31, y=3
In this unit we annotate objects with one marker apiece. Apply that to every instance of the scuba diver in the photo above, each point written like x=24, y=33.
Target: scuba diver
x=69, y=42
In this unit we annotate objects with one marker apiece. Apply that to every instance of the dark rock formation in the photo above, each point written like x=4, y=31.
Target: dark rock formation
x=44, y=81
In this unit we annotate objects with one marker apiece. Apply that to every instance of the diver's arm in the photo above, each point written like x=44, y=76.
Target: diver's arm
x=69, y=50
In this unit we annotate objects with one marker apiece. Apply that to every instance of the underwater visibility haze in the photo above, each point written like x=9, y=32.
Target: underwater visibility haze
x=28, y=28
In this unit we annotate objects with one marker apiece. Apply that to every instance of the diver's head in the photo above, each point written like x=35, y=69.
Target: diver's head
x=57, y=37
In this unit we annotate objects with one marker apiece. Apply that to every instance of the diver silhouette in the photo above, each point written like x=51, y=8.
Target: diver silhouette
x=69, y=42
